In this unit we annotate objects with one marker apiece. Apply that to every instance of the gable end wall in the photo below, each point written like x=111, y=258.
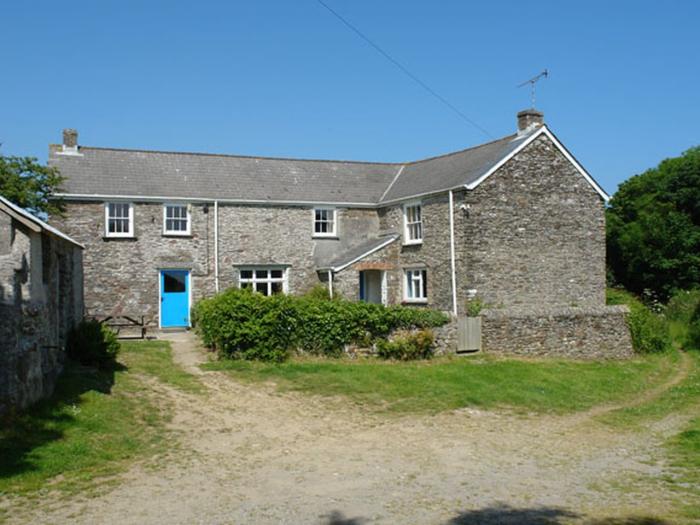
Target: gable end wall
x=533, y=235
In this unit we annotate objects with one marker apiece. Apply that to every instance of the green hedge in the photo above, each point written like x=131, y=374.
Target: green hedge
x=649, y=331
x=243, y=324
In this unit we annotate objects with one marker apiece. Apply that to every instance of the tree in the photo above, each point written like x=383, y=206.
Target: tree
x=30, y=185
x=653, y=228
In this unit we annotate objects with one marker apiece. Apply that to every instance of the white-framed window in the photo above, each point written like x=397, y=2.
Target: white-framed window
x=119, y=219
x=266, y=280
x=324, y=222
x=416, y=285
x=176, y=219
x=412, y=223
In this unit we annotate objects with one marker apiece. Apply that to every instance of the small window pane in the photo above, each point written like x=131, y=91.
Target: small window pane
x=276, y=274
x=246, y=274
x=276, y=287
x=261, y=287
x=261, y=274
x=176, y=218
x=174, y=282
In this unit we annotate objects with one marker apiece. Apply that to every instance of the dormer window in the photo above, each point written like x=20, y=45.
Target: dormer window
x=324, y=222
x=412, y=223
x=176, y=219
x=119, y=219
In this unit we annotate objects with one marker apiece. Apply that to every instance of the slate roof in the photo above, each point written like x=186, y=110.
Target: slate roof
x=449, y=171
x=158, y=174
x=359, y=252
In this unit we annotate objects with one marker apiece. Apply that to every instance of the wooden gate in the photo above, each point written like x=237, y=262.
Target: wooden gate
x=468, y=334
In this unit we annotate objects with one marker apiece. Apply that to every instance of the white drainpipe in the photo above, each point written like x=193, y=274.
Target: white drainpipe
x=216, y=246
x=330, y=283
x=452, y=254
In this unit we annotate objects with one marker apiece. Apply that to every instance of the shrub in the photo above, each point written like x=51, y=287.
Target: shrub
x=247, y=325
x=649, y=331
x=694, y=329
x=92, y=343
x=321, y=293
x=683, y=305
x=407, y=346
x=244, y=324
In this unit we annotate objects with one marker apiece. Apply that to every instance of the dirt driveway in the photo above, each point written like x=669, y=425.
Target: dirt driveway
x=246, y=454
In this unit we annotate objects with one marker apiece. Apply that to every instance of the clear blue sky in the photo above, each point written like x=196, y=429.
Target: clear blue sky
x=286, y=78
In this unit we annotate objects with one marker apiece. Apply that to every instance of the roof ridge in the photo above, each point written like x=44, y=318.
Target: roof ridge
x=512, y=136
x=265, y=157
x=231, y=155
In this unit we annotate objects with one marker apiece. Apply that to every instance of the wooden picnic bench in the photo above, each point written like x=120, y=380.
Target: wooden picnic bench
x=120, y=322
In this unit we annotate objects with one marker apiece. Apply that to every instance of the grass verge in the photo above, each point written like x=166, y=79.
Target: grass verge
x=95, y=424
x=544, y=385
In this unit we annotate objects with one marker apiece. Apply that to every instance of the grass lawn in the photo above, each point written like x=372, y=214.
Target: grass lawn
x=541, y=385
x=95, y=423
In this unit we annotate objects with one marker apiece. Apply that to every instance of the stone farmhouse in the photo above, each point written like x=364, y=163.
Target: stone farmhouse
x=41, y=299
x=517, y=222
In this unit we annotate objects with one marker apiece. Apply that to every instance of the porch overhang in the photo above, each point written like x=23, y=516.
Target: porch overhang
x=357, y=253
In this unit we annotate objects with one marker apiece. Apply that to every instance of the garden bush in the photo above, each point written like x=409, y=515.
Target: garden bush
x=405, y=346
x=649, y=331
x=238, y=323
x=248, y=325
x=92, y=343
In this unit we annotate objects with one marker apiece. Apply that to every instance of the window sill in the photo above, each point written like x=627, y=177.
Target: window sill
x=414, y=301
x=179, y=235
x=331, y=237
x=119, y=238
x=412, y=243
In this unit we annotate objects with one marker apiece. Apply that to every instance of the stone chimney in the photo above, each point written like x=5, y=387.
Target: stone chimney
x=529, y=119
x=70, y=141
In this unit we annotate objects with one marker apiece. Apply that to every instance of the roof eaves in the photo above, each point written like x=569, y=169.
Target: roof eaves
x=38, y=222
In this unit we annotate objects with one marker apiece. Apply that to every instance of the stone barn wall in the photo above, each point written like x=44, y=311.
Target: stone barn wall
x=40, y=300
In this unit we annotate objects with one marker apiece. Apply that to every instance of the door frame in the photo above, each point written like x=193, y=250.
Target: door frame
x=383, y=290
x=189, y=294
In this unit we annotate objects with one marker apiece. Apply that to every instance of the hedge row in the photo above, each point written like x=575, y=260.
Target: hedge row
x=649, y=331
x=243, y=324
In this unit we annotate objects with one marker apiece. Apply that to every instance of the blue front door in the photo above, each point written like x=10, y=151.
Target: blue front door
x=174, y=298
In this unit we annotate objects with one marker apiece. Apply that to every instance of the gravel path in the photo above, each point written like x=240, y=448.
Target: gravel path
x=247, y=454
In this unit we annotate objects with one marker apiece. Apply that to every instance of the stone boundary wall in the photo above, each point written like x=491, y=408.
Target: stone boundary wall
x=595, y=332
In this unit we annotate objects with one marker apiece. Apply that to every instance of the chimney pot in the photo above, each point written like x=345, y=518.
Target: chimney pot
x=70, y=139
x=530, y=118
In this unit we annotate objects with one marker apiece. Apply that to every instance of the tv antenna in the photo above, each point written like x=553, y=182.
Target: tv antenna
x=532, y=83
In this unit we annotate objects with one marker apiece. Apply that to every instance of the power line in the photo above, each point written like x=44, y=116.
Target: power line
x=404, y=69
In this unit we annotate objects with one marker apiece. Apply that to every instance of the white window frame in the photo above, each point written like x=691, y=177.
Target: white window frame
x=181, y=233
x=126, y=234
x=407, y=238
x=416, y=276
x=334, y=213
x=254, y=280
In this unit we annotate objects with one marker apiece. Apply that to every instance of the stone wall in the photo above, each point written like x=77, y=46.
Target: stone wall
x=122, y=274
x=433, y=253
x=599, y=332
x=40, y=300
x=534, y=234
